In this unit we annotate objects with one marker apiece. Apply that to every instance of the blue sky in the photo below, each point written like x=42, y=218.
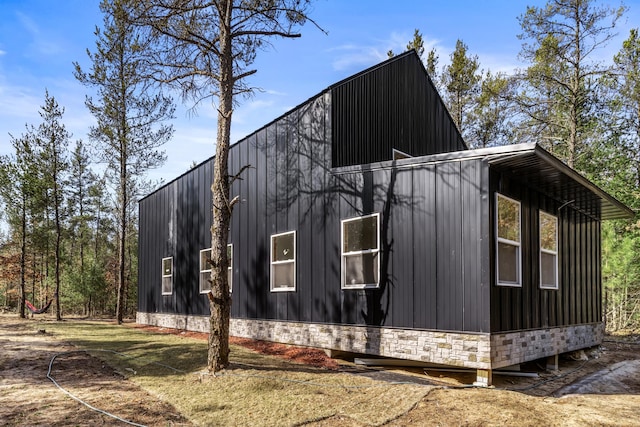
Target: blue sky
x=39, y=40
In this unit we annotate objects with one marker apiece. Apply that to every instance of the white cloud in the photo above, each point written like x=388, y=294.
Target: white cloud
x=357, y=56
x=275, y=92
x=41, y=43
x=28, y=24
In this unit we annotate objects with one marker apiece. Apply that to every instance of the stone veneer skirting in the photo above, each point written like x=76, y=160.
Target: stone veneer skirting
x=464, y=349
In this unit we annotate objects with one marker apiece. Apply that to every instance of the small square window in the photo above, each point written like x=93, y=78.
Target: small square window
x=548, y=251
x=508, y=241
x=360, y=252
x=167, y=276
x=205, y=269
x=283, y=262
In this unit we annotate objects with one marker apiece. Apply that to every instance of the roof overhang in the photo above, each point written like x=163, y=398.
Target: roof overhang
x=539, y=169
x=531, y=166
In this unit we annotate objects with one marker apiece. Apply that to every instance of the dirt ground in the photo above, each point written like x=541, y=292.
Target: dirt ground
x=604, y=389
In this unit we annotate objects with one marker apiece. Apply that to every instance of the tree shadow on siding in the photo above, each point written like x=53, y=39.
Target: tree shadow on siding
x=318, y=196
x=256, y=280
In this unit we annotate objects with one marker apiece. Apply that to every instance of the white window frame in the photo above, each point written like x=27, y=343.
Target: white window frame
x=518, y=244
x=344, y=255
x=230, y=266
x=289, y=261
x=208, y=270
x=548, y=251
x=164, y=276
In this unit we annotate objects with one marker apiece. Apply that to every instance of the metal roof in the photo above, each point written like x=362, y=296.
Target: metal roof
x=537, y=168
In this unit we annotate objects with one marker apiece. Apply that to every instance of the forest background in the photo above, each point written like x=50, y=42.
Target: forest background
x=70, y=206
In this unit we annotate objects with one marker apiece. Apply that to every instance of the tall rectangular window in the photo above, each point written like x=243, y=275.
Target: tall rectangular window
x=167, y=276
x=548, y=251
x=230, y=267
x=360, y=252
x=205, y=269
x=508, y=241
x=283, y=262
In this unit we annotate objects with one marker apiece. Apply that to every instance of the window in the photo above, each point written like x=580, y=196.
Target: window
x=283, y=262
x=167, y=276
x=360, y=250
x=508, y=258
x=548, y=251
x=230, y=266
x=205, y=269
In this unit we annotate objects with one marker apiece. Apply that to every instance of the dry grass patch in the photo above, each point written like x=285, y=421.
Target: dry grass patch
x=256, y=389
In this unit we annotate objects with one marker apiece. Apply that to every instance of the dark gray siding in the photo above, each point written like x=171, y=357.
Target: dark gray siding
x=432, y=240
x=578, y=297
x=391, y=105
x=283, y=190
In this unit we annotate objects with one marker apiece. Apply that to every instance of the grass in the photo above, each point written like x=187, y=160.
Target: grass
x=256, y=390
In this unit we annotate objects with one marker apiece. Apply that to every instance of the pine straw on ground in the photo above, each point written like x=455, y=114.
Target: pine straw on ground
x=305, y=355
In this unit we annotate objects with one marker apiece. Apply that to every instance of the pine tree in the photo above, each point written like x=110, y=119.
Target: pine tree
x=417, y=43
x=561, y=41
x=461, y=81
x=615, y=165
x=52, y=139
x=18, y=175
x=492, y=118
x=130, y=129
x=627, y=102
x=82, y=186
x=206, y=49
x=432, y=67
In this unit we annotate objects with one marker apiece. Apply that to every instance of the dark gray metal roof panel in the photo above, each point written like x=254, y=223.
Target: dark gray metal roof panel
x=540, y=169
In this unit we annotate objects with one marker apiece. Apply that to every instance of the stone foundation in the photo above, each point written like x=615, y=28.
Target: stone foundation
x=482, y=351
x=511, y=348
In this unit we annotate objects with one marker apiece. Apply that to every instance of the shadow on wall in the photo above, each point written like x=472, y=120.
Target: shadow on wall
x=256, y=279
x=304, y=192
x=186, y=266
x=311, y=192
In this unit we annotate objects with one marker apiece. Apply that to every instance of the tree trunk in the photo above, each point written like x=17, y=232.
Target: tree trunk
x=23, y=253
x=219, y=298
x=123, y=196
x=56, y=205
x=122, y=237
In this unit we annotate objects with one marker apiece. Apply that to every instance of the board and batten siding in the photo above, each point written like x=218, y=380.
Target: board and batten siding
x=431, y=246
x=282, y=190
x=578, y=299
x=290, y=186
x=391, y=105
x=432, y=250
x=433, y=243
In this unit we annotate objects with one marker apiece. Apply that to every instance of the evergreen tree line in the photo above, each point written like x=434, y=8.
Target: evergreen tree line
x=60, y=236
x=584, y=110
x=71, y=212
